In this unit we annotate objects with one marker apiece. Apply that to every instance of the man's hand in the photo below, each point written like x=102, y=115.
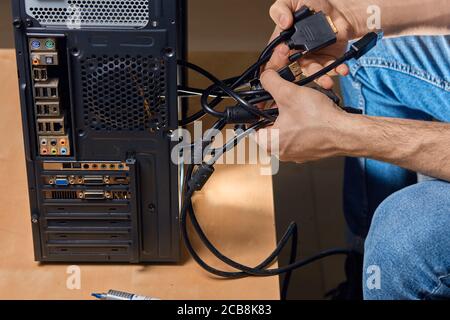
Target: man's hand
x=308, y=123
x=282, y=14
x=312, y=127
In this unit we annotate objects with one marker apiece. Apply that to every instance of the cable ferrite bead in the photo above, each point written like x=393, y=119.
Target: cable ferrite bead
x=239, y=115
x=200, y=177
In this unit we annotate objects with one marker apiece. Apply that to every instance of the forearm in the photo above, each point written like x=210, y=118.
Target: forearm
x=419, y=146
x=397, y=16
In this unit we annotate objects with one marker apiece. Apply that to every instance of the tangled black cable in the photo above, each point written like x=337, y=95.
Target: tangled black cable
x=246, y=113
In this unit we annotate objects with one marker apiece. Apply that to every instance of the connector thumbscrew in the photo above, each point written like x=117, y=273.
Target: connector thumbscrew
x=17, y=23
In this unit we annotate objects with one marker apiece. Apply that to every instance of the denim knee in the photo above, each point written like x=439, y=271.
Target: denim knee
x=407, y=250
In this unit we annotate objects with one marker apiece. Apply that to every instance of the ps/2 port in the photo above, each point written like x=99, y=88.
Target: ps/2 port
x=35, y=44
x=50, y=44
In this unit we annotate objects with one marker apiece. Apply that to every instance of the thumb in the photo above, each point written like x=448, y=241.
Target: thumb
x=280, y=57
x=281, y=14
x=281, y=90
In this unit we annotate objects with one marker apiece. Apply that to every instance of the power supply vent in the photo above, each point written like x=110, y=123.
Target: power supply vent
x=124, y=93
x=79, y=13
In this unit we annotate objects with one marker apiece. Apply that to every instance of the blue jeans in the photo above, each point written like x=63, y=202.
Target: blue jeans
x=404, y=223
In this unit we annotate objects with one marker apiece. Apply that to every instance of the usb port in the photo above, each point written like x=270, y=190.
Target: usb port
x=40, y=74
x=67, y=165
x=47, y=89
x=47, y=108
x=51, y=126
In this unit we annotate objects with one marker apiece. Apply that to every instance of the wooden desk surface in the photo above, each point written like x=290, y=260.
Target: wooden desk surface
x=238, y=217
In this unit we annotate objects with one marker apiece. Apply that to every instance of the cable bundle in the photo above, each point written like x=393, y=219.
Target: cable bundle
x=246, y=112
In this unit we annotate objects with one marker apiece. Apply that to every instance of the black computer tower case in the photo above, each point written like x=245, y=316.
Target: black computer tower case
x=98, y=89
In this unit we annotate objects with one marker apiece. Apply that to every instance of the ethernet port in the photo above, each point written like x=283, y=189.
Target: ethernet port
x=53, y=93
x=57, y=127
x=51, y=126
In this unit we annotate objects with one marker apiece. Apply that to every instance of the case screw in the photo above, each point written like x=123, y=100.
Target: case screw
x=29, y=23
x=17, y=23
x=34, y=219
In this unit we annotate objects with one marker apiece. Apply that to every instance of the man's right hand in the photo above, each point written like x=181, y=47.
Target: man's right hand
x=282, y=14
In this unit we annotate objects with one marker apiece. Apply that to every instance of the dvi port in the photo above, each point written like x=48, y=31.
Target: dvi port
x=104, y=195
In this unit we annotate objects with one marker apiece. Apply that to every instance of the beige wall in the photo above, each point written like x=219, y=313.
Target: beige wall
x=6, y=37
x=229, y=25
x=214, y=25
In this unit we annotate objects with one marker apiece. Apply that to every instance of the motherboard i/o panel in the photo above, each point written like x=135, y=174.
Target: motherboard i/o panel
x=99, y=101
x=50, y=104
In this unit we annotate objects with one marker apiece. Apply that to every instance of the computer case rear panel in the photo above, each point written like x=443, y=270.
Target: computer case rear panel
x=98, y=88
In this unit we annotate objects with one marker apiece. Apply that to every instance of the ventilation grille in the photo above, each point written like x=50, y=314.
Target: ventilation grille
x=60, y=195
x=124, y=93
x=79, y=13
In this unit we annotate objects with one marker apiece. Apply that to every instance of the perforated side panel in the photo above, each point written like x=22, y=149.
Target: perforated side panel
x=124, y=93
x=79, y=13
